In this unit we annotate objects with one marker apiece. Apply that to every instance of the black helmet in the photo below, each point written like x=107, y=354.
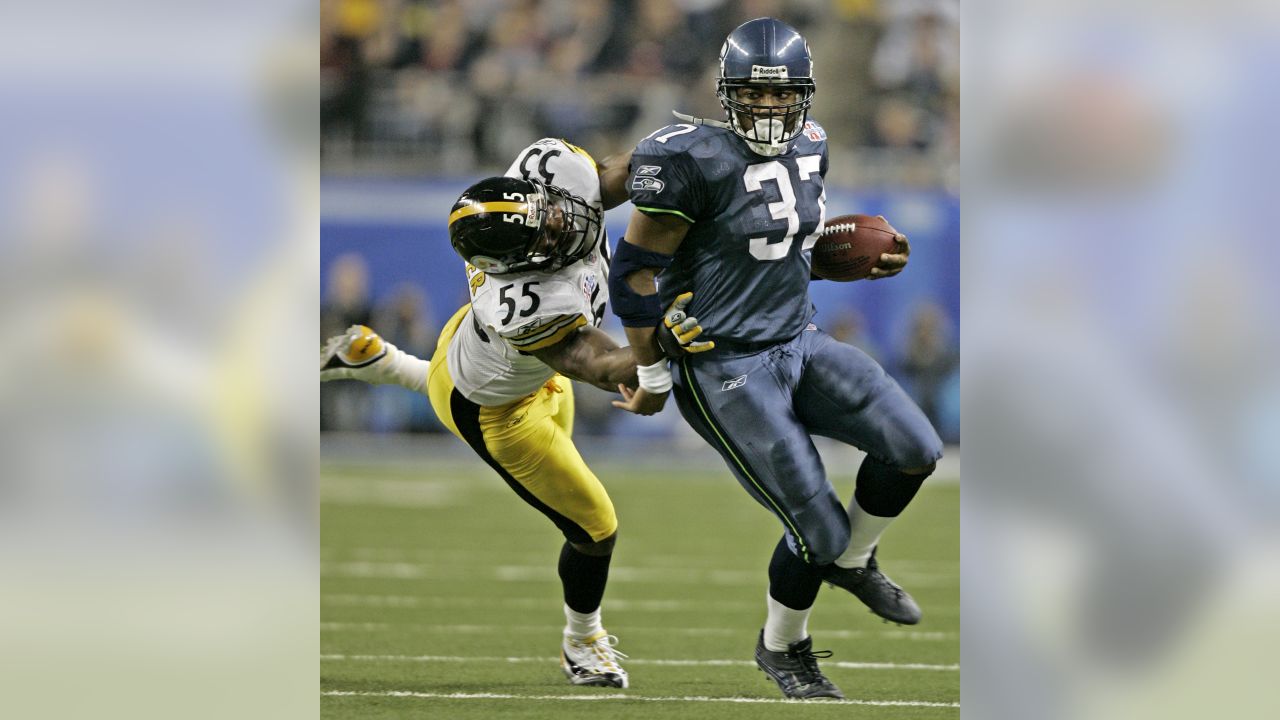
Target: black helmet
x=508, y=225
x=766, y=51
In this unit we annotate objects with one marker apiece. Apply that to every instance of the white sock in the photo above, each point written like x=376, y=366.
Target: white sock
x=784, y=626
x=581, y=626
x=865, y=530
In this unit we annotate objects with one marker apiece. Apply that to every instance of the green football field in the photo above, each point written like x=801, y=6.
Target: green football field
x=439, y=599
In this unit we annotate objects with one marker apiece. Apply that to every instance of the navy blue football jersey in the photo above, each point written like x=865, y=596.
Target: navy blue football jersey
x=754, y=221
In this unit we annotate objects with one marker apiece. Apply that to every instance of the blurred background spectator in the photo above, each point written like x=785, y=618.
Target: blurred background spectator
x=454, y=88
x=929, y=361
x=405, y=319
x=345, y=406
x=422, y=97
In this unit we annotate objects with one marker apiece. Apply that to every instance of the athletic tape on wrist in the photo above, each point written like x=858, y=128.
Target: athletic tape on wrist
x=655, y=379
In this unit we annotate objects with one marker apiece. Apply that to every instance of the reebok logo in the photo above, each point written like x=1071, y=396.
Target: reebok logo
x=734, y=383
x=648, y=169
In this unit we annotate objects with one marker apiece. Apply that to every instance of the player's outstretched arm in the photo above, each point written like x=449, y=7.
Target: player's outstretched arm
x=593, y=357
x=361, y=354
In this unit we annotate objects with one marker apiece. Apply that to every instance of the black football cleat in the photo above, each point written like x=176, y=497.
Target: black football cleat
x=796, y=670
x=878, y=592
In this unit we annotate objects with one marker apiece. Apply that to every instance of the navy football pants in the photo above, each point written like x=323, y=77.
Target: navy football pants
x=759, y=410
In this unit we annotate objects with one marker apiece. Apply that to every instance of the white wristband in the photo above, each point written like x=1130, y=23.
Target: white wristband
x=655, y=379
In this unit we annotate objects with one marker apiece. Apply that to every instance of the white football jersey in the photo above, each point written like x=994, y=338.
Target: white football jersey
x=512, y=315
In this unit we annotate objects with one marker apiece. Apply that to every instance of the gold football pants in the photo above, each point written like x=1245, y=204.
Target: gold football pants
x=528, y=442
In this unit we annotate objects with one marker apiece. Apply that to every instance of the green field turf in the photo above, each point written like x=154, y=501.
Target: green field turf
x=442, y=582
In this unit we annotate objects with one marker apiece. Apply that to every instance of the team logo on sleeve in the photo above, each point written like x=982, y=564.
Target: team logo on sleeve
x=814, y=131
x=649, y=170
x=647, y=183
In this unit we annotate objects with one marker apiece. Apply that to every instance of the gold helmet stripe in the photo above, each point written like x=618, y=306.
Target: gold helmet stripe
x=476, y=208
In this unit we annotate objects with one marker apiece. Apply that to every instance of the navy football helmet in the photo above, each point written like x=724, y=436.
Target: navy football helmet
x=509, y=225
x=766, y=52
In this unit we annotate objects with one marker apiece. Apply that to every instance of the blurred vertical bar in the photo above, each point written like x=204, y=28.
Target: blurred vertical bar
x=159, y=279
x=1121, y=387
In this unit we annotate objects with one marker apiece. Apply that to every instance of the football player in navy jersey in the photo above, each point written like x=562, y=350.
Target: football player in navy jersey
x=730, y=210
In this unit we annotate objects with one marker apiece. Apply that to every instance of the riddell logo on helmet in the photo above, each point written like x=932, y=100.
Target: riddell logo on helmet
x=766, y=72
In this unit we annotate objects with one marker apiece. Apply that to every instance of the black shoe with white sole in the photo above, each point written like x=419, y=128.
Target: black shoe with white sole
x=796, y=670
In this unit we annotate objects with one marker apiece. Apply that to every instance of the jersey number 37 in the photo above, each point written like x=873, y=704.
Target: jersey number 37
x=785, y=208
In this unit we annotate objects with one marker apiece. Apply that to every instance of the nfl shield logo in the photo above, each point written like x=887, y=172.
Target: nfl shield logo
x=814, y=131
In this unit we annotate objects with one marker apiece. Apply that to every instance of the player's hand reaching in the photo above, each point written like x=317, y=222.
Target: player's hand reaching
x=640, y=401
x=678, y=330
x=361, y=354
x=344, y=355
x=892, y=263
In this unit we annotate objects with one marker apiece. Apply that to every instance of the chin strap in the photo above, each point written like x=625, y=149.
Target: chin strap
x=701, y=121
x=762, y=149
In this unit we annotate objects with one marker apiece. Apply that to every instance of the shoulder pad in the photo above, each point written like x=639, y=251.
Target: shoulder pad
x=677, y=138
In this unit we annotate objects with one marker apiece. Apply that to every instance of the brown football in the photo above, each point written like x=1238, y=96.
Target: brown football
x=850, y=245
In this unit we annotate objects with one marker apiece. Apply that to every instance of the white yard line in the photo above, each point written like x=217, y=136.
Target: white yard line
x=524, y=603
x=473, y=629
x=623, y=574
x=414, y=601
x=624, y=697
x=630, y=661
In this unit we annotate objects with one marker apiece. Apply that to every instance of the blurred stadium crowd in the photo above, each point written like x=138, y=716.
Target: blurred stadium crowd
x=446, y=91
x=453, y=87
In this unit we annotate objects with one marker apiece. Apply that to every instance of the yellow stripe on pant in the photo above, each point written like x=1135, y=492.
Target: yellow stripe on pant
x=528, y=442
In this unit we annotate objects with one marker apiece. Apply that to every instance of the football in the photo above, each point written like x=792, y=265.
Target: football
x=850, y=245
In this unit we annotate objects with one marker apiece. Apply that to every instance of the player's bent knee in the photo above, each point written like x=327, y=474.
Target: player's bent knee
x=598, y=548
x=826, y=553
x=919, y=456
x=922, y=470
x=824, y=526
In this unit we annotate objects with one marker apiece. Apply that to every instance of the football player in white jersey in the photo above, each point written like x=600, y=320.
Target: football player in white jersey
x=537, y=265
